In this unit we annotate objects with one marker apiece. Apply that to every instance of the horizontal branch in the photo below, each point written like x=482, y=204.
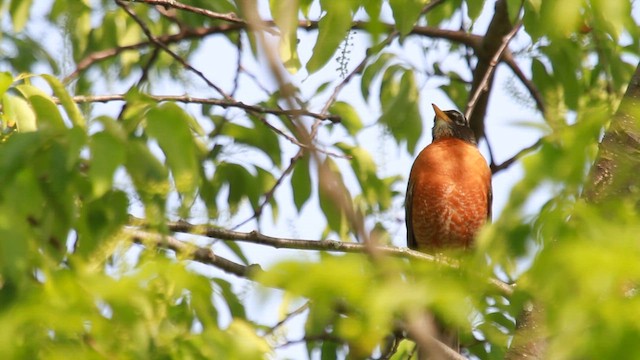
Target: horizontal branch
x=457, y=36
x=224, y=103
x=230, y=17
x=200, y=254
x=255, y=237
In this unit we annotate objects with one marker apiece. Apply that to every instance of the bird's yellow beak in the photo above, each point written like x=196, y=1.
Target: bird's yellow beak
x=440, y=114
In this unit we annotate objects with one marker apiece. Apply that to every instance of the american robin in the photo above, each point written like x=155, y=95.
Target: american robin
x=449, y=193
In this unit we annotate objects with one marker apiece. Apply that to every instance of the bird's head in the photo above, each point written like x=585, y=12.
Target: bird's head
x=452, y=124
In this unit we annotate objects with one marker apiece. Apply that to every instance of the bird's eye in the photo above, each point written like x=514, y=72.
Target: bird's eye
x=458, y=118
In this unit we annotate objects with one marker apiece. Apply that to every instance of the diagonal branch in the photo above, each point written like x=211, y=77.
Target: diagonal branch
x=483, y=85
x=507, y=58
x=495, y=168
x=202, y=255
x=164, y=47
x=230, y=17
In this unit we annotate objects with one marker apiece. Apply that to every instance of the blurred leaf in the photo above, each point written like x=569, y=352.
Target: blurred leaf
x=147, y=172
x=474, y=8
x=17, y=111
x=301, y=182
x=332, y=29
x=47, y=113
x=100, y=219
x=167, y=123
x=107, y=153
x=329, y=350
x=285, y=15
x=371, y=71
x=561, y=18
x=237, y=251
x=406, y=13
x=5, y=82
x=443, y=12
x=260, y=137
x=67, y=102
x=240, y=182
x=400, y=112
x=19, y=10
x=335, y=198
x=349, y=115
x=233, y=302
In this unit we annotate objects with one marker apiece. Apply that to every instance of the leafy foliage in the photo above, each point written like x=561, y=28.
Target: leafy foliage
x=93, y=261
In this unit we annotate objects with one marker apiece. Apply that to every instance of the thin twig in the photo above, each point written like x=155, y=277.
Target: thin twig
x=257, y=212
x=202, y=255
x=508, y=59
x=224, y=103
x=195, y=33
x=230, y=17
x=288, y=317
x=164, y=47
x=422, y=333
x=482, y=87
x=495, y=168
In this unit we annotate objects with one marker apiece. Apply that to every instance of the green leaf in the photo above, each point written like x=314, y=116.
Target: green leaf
x=305, y=5
x=231, y=299
x=260, y=137
x=332, y=29
x=401, y=114
x=47, y=112
x=329, y=350
x=19, y=10
x=6, y=79
x=107, y=153
x=100, y=219
x=474, y=8
x=67, y=102
x=349, y=116
x=285, y=15
x=237, y=251
x=443, y=12
x=17, y=111
x=147, y=172
x=168, y=124
x=561, y=18
x=301, y=182
x=241, y=183
x=456, y=90
x=371, y=71
x=335, y=199
x=406, y=13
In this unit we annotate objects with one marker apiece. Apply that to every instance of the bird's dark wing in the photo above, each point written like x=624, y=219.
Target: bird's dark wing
x=489, y=202
x=408, y=201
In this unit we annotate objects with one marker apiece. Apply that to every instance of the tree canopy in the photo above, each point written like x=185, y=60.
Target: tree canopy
x=151, y=150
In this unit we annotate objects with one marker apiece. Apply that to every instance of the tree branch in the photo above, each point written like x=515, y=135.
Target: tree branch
x=255, y=237
x=493, y=43
x=495, y=168
x=163, y=46
x=224, y=103
x=230, y=17
x=196, y=253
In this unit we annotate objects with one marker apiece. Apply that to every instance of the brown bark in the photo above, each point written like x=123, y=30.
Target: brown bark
x=614, y=173
x=613, y=176
x=499, y=27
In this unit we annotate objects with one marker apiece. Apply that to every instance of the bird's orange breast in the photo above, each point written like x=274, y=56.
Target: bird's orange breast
x=449, y=194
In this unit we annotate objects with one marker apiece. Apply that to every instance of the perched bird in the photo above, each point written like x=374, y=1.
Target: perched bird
x=449, y=193
x=448, y=198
